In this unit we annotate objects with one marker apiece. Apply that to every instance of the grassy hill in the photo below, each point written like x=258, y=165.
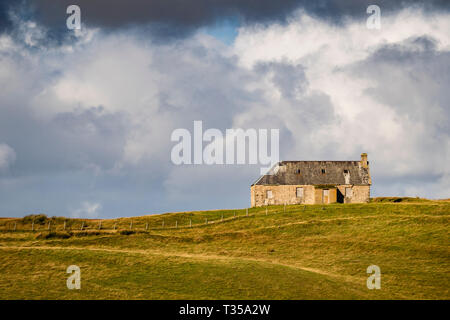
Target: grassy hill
x=297, y=252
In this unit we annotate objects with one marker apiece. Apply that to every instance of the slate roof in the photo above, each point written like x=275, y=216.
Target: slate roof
x=310, y=173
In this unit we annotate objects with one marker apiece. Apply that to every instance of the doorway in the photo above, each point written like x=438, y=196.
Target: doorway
x=326, y=196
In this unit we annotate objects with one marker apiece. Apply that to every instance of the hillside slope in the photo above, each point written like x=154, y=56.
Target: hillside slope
x=301, y=252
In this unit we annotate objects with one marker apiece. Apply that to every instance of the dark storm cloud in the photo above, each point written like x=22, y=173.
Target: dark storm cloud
x=174, y=18
x=5, y=21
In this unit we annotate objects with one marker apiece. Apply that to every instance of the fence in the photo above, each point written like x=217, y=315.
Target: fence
x=51, y=225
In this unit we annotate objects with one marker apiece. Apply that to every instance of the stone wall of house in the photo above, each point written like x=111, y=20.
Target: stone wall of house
x=282, y=194
x=360, y=194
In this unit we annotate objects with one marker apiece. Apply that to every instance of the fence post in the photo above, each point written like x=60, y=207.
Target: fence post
x=114, y=225
x=206, y=221
x=100, y=226
x=64, y=225
x=131, y=225
x=146, y=226
x=32, y=225
x=163, y=223
x=15, y=226
x=190, y=223
x=176, y=223
x=82, y=225
x=48, y=227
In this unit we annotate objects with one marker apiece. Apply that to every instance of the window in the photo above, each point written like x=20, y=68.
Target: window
x=348, y=192
x=346, y=176
x=298, y=171
x=323, y=171
x=269, y=194
x=299, y=192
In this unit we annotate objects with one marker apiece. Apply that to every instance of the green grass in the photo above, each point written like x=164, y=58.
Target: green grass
x=305, y=252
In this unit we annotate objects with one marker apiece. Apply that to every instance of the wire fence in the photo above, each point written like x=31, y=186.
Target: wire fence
x=125, y=224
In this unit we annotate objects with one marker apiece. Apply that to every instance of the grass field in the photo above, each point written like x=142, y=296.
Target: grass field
x=301, y=252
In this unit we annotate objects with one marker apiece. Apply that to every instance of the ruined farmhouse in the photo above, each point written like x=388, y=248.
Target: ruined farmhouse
x=312, y=182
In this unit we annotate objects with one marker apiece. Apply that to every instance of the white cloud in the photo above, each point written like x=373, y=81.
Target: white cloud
x=320, y=45
x=87, y=210
x=7, y=156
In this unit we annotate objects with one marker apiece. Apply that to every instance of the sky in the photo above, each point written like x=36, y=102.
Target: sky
x=86, y=116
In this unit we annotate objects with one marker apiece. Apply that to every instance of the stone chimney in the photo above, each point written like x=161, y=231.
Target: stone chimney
x=364, y=162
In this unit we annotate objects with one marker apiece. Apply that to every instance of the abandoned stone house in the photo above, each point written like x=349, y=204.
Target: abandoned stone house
x=313, y=182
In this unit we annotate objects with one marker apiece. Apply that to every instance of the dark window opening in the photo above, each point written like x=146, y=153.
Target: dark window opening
x=345, y=171
x=323, y=171
x=298, y=171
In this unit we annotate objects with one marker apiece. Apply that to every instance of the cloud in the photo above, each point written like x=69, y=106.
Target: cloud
x=87, y=210
x=96, y=121
x=415, y=66
x=7, y=156
x=91, y=119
